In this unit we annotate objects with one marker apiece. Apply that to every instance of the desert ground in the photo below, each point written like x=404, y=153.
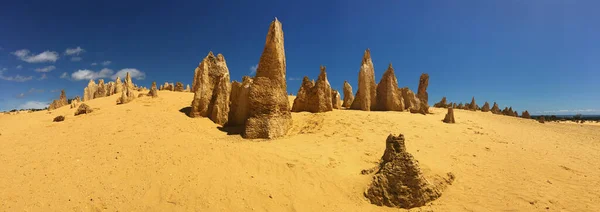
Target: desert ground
x=148, y=155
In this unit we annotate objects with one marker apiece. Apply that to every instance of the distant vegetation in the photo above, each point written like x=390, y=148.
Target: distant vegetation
x=575, y=118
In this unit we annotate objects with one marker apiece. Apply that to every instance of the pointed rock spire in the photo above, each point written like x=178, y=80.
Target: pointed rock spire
x=389, y=96
x=365, y=98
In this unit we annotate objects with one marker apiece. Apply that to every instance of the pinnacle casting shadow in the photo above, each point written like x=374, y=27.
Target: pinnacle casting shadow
x=231, y=130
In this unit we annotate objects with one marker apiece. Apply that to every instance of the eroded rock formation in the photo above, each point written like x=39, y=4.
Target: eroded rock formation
x=442, y=103
x=472, y=106
x=525, y=114
x=89, y=91
x=422, y=90
x=128, y=82
x=486, y=107
x=389, y=96
x=75, y=102
x=211, y=97
x=239, y=102
x=83, y=109
x=348, y=95
x=366, y=98
x=153, y=92
x=449, y=116
x=127, y=96
x=179, y=87
x=495, y=109
x=269, y=107
x=61, y=101
x=101, y=90
x=58, y=119
x=399, y=181
x=316, y=98
x=336, y=100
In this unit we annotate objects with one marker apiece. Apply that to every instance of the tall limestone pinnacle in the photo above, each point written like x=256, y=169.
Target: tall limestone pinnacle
x=389, y=96
x=211, y=97
x=365, y=98
x=128, y=81
x=269, y=108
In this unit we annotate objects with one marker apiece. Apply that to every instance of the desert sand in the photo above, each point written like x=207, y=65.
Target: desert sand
x=148, y=155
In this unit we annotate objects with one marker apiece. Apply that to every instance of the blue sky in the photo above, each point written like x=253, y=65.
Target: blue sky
x=539, y=55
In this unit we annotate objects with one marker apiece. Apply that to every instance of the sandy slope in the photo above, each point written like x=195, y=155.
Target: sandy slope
x=149, y=156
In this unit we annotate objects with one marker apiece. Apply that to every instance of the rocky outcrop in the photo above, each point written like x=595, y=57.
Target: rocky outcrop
x=366, y=98
x=270, y=115
x=449, y=116
x=61, y=101
x=239, y=102
x=187, y=88
x=316, y=98
x=211, y=99
x=301, y=101
x=442, y=103
x=486, y=107
x=153, y=92
x=399, y=181
x=89, y=91
x=422, y=90
x=128, y=82
x=75, y=102
x=472, y=106
x=336, y=100
x=389, y=96
x=178, y=87
x=83, y=109
x=348, y=95
x=58, y=119
x=127, y=96
x=495, y=109
x=525, y=115
x=460, y=106
x=516, y=114
x=118, y=86
x=411, y=101
x=101, y=90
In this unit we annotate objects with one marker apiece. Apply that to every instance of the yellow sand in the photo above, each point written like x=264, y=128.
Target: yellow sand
x=148, y=156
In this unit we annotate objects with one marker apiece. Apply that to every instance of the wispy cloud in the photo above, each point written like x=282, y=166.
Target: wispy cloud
x=64, y=75
x=19, y=67
x=105, y=63
x=17, y=78
x=94, y=64
x=253, y=69
x=20, y=96
x=45, y=69
x=43, y=77
x=47, y=56
x=134, y=73
x=74, y=51
x=294, y=78
x=76, y=59
x=86, y=74
x=30, y=91
x=33, y=105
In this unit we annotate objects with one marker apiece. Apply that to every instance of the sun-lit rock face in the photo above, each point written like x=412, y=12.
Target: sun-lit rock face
x=365, y=98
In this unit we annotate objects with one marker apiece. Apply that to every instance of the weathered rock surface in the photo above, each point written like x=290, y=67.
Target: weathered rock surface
x=411, y=101
x=449, y=116
x=486, y=107
x=399, y=181
x=389, y=96
x=495, y=109
x=58, y=119
x=525, y=114
x=128, y=82
x=270, y=115
x=211, y=99
x=366, y=98
x=472, y=106
x=442, y=103
x=127, y=96
x=187, y=88
x=101, y=90
x=460, y=106
x=89, y=91
x=348, y=95
x=75, y=102
x=239, y=102
x=336, y=100
x=316, y=98
x=422, y=90
x=179, y=87
x=61, y=101
x=153, y=92
x=118, y=86
x=83, y=109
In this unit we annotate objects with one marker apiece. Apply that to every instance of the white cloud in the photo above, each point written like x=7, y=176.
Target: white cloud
x=253, y=69
x=91, y=75
x=134, y=73
x=64, y=75
x=105, y=63
x=17, y=78
x=21, y=95
x=75, y=59
x=43, y=77
x=19, y=67
x=94, y=64
x=33, y=105
x=74, y=51
x=47, y=56
x=45, y=69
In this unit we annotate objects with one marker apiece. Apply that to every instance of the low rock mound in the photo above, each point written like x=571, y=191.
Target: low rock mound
x=450, y=116
x=153, y=92
x=58, y=119
x=525, y=115
x=486, y=107
x=399, y=181
x=541, y=119
x=442, y=103
x=83, y=109
x=179, y=87
x=495, y=109
x=62, y=101
x=126, y=96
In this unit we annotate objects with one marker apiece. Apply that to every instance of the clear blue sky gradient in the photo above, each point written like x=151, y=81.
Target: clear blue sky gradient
x=539, y=55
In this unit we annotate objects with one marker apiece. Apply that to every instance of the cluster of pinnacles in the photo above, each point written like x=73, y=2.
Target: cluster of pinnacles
x=508, y=111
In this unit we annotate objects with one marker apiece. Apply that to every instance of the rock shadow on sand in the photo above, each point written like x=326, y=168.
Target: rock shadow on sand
x=186, y=111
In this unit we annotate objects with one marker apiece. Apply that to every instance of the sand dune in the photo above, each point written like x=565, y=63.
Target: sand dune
x=148, y=155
